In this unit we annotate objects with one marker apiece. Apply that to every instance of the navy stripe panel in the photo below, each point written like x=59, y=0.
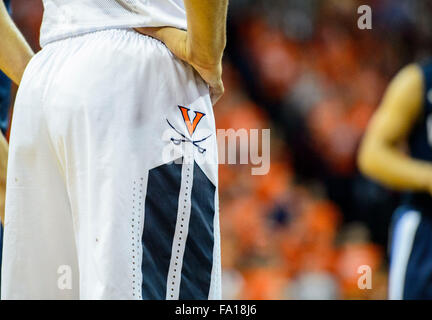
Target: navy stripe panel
x=198, y=256
x=163, y=189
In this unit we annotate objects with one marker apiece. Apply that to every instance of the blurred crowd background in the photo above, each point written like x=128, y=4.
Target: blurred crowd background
x=305, y=70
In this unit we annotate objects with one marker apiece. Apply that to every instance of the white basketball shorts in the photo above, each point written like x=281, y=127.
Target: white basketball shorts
x=112, y=177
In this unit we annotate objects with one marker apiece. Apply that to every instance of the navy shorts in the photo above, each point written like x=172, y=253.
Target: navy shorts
x=411, y=254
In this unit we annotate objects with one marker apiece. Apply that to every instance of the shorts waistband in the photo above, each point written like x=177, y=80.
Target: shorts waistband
x=110, y=31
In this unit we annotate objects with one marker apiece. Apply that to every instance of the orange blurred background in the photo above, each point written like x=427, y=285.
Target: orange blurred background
x=304, y=69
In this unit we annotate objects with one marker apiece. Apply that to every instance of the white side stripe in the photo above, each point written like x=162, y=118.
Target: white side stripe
x=182, y=225
x=403, y=239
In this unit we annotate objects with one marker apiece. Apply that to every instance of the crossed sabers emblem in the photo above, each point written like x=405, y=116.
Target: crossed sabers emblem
x=191, y=126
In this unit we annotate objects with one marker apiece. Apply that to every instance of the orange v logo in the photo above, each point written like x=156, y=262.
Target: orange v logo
x=191, y=126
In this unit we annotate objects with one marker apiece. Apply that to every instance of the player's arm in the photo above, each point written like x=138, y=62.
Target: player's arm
x=203, y=44
x=206, y=36
x=380, y=156
x=15, y=53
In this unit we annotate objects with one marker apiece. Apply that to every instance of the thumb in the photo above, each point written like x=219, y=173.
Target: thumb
x=216, y=92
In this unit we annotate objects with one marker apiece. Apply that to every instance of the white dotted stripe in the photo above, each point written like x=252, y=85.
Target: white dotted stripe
x=136, y=248
x=215, y=292
x=182, y=227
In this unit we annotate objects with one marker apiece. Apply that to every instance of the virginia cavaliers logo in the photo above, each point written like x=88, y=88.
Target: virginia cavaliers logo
x=190, y=127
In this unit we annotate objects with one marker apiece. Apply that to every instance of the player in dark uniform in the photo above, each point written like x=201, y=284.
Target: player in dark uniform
x=405, y=116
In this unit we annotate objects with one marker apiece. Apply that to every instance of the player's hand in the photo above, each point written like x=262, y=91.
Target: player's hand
x=177, y=42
